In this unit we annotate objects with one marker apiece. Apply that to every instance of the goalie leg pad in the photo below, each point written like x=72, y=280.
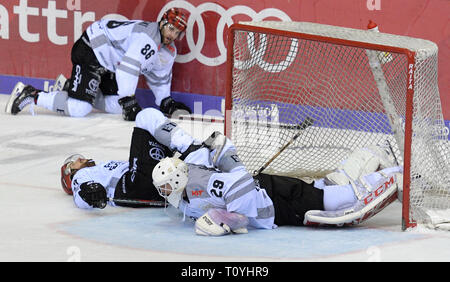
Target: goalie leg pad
x=360, y=162
x=385, y=193
x=219, y=222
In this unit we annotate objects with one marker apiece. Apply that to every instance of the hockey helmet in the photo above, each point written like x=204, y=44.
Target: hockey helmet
x=177, y=18
x=170, y=177
x=66, y=172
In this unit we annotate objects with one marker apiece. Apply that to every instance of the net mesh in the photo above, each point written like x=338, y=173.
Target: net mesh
x=279, y=79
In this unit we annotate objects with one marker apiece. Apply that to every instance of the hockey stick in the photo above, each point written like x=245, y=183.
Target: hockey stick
x=392, y=151
x=199, y=118
x=386, y=99
x=269, y=125
x=148, y=203
x=306, y=123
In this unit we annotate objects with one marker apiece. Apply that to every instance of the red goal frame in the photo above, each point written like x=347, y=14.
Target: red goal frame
x=407, y=222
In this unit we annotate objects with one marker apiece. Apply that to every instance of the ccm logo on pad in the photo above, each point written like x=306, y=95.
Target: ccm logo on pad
x=380, y=190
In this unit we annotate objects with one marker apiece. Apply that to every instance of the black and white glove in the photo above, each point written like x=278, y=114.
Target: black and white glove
x=94, y=194
x=216, y=142
x=193, y=147
x=130, y=107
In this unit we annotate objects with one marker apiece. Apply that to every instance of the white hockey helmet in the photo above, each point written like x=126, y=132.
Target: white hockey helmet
x=170, y=177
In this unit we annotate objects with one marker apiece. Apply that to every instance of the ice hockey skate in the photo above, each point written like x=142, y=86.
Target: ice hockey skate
x=21, y=96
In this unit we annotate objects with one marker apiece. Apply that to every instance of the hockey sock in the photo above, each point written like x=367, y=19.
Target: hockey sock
x=173, y=136
x=59, y=102
x=52, y=100
x=165, y=131
x=77, y=108
x=108, y=104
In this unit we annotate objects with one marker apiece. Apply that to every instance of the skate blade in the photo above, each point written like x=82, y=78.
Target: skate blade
x=14, y=94
x=59, y=83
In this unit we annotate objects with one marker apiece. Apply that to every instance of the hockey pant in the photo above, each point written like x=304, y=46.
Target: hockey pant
x=88, y=77
x=145, y=154
x=291, y=198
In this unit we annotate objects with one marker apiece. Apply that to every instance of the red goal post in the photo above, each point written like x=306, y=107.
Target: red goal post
x=278, y=73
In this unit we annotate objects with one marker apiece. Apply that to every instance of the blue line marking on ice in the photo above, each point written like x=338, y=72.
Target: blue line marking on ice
x=151, y=229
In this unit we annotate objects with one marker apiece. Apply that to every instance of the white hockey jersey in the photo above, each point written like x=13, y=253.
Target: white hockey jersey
x=132, y=48
x=234, y=190
x=107, y=174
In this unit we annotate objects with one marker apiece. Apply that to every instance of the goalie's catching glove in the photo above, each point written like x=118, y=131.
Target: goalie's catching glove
x=130, y=107
x=218, y=222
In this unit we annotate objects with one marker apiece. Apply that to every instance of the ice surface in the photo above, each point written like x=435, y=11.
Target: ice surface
x=39, y=222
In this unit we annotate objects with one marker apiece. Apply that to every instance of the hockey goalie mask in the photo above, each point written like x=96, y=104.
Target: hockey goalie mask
x=67, y=170
x=170, y=177
x=176, y=19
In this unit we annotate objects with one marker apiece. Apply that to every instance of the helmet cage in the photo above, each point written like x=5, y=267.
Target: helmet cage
x=173, y=172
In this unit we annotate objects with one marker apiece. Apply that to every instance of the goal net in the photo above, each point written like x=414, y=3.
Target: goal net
x=359, y=88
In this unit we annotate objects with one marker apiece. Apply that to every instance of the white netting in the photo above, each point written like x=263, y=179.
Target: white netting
x=279, y=79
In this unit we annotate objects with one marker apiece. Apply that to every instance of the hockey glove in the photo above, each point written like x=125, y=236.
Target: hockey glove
x=169, y=106
x=192, y=148
x=130, y=107
x=94, y=194
x=215, y=142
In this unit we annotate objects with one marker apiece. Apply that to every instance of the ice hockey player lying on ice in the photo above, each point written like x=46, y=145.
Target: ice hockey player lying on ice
x=210, y=184
x=107, y=62
x=94, y=185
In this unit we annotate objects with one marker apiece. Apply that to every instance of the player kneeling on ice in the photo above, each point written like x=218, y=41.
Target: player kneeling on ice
x=107, y=61
x=209, y=183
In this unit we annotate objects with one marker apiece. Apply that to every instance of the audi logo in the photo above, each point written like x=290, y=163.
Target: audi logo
x=226, y=15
